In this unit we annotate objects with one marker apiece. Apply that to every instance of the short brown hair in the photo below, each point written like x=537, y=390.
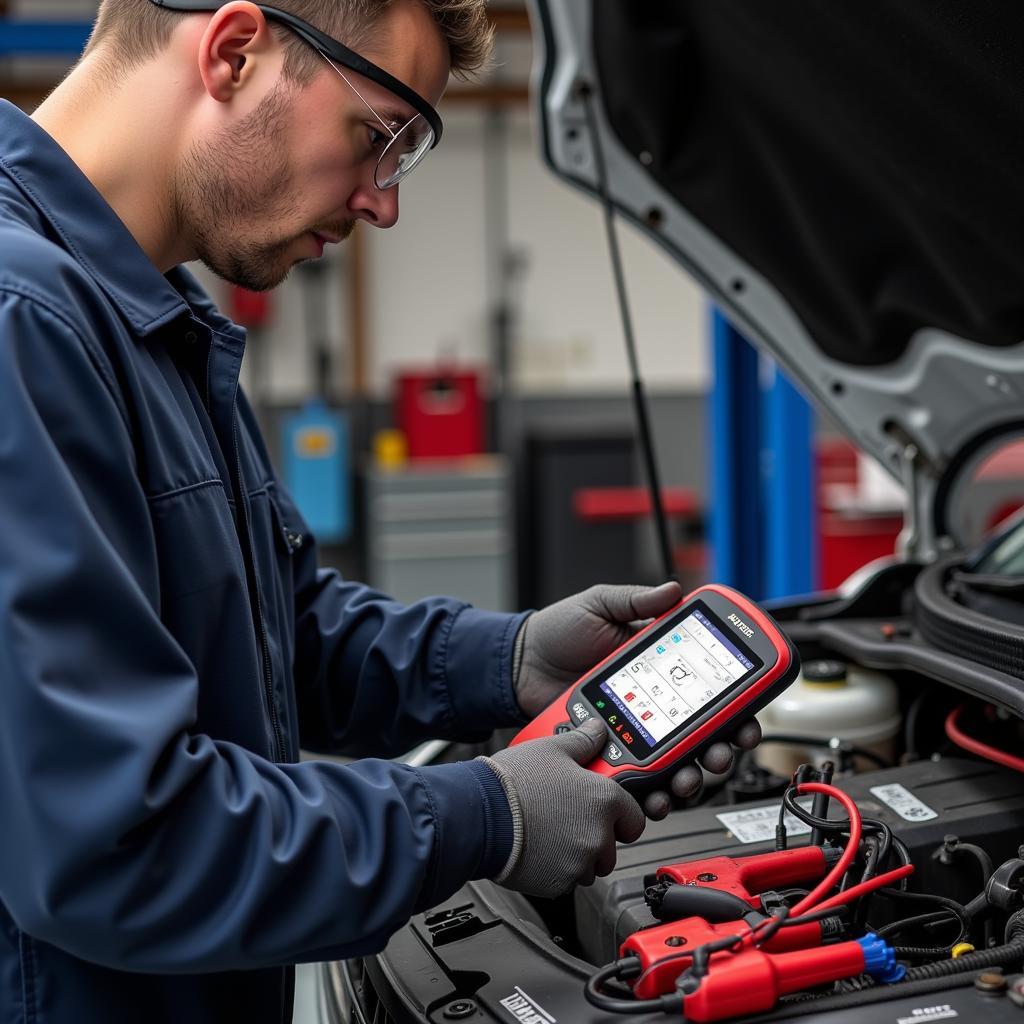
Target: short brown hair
x=137, y=30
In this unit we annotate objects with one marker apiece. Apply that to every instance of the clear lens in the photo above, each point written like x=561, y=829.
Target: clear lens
x=406, y=148
x=403, y=152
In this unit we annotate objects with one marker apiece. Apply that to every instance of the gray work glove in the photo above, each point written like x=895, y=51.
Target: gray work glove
x=556, y=645
x=566, y=818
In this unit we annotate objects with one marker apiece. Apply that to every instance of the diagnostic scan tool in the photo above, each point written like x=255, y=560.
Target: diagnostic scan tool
x=683, y=682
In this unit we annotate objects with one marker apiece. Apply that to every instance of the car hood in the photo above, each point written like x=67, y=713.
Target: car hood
x=845, y=180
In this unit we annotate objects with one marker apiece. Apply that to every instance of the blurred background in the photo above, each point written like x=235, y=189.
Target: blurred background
x=449, y=401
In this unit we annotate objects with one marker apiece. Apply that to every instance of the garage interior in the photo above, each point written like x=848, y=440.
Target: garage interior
x=729, y=294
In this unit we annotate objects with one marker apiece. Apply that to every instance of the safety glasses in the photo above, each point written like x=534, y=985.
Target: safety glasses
x=406, y=145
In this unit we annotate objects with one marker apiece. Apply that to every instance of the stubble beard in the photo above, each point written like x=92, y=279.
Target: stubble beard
x=227, y=186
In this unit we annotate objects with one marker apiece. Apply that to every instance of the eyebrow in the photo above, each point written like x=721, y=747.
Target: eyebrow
x=396, y=118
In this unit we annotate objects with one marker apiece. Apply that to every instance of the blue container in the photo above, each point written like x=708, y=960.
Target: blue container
x=316, y=470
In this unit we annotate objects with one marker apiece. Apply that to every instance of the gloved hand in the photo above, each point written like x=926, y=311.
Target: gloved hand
x=566, y=818
x=556, y=645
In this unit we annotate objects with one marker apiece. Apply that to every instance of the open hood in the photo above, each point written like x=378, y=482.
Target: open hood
x=846, y=180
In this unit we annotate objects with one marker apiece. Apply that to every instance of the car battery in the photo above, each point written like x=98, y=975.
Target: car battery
x=921, y=802
x=491, y=955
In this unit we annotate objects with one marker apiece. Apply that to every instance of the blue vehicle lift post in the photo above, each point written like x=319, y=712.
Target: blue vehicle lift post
x=761, y=523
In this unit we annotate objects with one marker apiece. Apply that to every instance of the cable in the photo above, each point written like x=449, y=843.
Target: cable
x=839, y=824
x=957, y=909
x=982, y=858
x=888, y=841
x=643, y=418
x=947, y=856
x=978, y=907
x=1001, y=956
x=871, y=857
x=936, y=917
x=863, y=888
x=824, y=824
x=700, y=956
x=880, y=847
x=841, y=865
x=904, y=856
x=766, y=931
x=885, y=846
x=592, y=990
x=814, y=915
x=1010, y=953
x=923, y=952
x=686, y=955
x=961, y=739
x=819, y=808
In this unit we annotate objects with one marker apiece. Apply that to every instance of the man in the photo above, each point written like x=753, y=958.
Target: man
x=167, y=638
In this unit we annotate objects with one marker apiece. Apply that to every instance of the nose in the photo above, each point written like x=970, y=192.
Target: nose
x=376, y=206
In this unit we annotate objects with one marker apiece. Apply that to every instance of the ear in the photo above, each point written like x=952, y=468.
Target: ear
x=236, y=41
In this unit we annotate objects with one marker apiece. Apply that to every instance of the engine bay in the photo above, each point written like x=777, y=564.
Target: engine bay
x=893, y=891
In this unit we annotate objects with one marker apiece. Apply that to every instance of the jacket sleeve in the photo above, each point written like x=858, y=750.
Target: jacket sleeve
x=132, y=840
x=376, y=677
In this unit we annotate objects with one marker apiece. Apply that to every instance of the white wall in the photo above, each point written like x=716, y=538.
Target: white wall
x=572, y=334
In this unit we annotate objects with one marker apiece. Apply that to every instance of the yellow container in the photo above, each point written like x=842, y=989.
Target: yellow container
x=390, y=449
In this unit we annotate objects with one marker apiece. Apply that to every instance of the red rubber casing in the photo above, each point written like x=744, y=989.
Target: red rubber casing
x=663, y=952
x=743, y=704
x=748, y=877
x=751, y=981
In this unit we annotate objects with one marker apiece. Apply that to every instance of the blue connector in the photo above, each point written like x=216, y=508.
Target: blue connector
x=880, y=960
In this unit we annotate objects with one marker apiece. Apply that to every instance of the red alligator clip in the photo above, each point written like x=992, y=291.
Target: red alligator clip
x=752, y=981
x=744, y=878
x=664, y=950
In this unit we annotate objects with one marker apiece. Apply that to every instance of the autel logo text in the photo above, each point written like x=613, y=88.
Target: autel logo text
x=740, y=625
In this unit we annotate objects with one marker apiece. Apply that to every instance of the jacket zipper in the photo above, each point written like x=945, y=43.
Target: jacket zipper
x=257, y=600
x=252, y=580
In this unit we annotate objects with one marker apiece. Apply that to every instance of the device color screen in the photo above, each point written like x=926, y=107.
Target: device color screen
x=657, y=690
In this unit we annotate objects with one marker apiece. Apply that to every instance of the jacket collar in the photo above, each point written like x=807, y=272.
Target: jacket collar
x=93, y=233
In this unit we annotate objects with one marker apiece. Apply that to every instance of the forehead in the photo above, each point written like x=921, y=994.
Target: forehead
x=384, y=103
x=407, y=43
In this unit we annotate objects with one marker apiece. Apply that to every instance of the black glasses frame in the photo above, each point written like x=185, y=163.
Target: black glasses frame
x=338, y=52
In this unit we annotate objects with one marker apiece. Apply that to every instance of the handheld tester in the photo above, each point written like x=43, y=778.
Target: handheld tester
x=682, y=683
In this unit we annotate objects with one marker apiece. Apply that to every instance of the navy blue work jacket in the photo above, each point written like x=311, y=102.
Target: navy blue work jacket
x=167, y=642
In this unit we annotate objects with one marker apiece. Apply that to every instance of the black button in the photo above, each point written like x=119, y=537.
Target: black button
x=562, y=727
x=191, y=338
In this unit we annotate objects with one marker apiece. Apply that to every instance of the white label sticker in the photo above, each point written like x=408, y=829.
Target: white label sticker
x=903, y=802
x=757, y=824
x=943, y=1011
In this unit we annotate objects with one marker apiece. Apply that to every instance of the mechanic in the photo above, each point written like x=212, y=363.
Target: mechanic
x=168, y=640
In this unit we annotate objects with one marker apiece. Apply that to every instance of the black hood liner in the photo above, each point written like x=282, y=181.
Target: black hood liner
x=866, y=158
